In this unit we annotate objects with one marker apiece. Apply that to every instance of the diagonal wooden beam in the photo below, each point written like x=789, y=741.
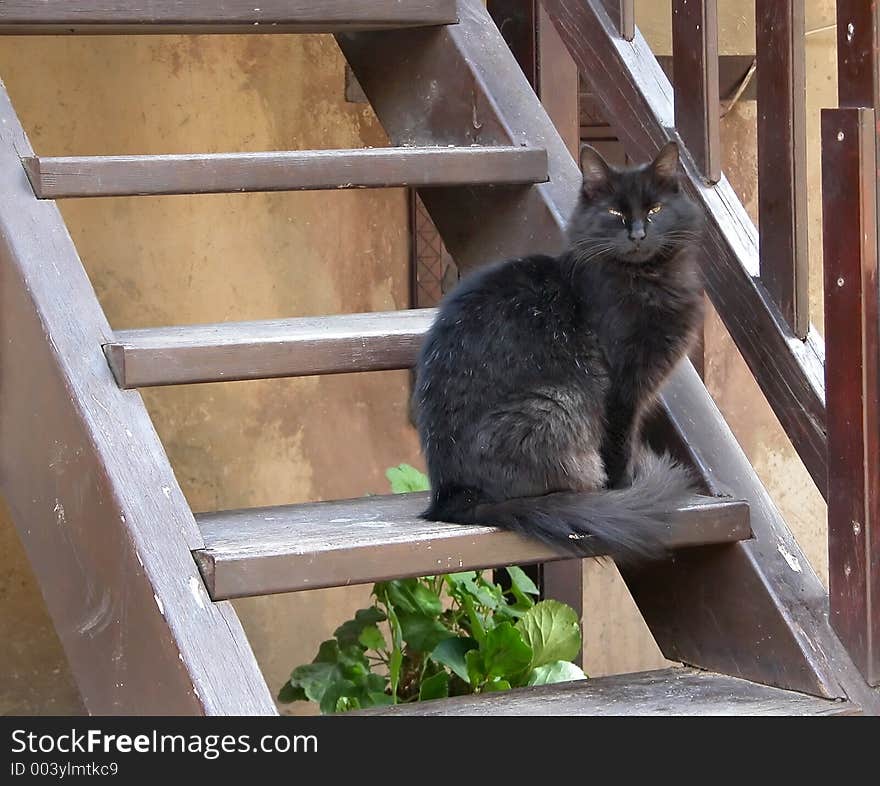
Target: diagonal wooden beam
x=102, y=518
x=462, y=85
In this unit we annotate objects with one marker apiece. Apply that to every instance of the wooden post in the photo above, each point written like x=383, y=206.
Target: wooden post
x=782, y=159
x=695, y=78
x=852, y=331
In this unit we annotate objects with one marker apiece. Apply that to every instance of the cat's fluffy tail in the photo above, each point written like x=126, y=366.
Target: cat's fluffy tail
x=625, y=523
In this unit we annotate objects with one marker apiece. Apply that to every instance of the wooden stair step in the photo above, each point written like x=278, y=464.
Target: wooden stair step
x=674, y=691
x=230, y=16
x=267, y=349
x=261, y=551
x=303, y=170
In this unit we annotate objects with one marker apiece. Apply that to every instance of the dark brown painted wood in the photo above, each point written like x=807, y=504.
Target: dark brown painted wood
x=91, y=176
x=858, y=41
x=105, y=525
x=697, y=103
x=272, y=348
x=223, y=16
x=331, y=544
x=782, y=158
x=852, y=329
x=781, y=634
x=652, y=693
x=637, y=100
x=623, y=17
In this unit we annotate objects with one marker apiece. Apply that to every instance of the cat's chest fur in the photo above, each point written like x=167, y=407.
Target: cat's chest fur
x=644, y=320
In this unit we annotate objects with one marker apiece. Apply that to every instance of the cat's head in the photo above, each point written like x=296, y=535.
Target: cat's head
x=635, y=214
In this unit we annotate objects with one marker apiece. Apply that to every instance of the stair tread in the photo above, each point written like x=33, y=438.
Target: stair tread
x=268, y=16
x=269, y=348
x=261, y=551
x=285, y=170
x=673, y=691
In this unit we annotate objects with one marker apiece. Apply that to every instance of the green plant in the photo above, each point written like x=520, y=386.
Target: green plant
x=439, y=636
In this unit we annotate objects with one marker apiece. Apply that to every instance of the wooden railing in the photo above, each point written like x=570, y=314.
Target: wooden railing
x=852, y=328
x=758, y=280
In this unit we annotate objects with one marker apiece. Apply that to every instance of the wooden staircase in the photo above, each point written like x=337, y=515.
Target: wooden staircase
x=138, y=585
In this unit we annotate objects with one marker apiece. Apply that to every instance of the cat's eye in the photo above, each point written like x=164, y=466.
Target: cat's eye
x=615, y=212
x=654, y=210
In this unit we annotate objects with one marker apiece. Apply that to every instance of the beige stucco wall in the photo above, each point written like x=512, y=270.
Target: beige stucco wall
x=176, y=260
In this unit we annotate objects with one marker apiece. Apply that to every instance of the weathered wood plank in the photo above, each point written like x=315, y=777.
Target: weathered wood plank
x=637, y=99
x=623, y=17
x=105, y=525
x=268, y=349
x=92, y=176
x=651, y=693
x=852, y=327
x=225, y=16
x=697, y=103
x=330, y=544
x=782, y=159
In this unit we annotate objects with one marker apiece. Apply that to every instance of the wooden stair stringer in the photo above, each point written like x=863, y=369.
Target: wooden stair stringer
x=93, y=497
x=787, y=624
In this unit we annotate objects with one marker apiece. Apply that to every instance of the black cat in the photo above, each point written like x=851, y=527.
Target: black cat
x=533, y=380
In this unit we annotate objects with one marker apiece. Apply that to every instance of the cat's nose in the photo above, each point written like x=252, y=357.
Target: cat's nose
x=637, y=231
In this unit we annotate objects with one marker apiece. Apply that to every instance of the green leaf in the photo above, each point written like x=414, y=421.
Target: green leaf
x=413, y=597
x=353, y=663
x=436, y=687
x=404, y=478
x=496, y=686
x=317, y=678
x=560, y=671
x=476, y=670
x=330, y=699
x=451, y=653
x=394, y=664
x=379, y=699
x=328, y=652
x=371, y=638
x=347, y=703
x=290, y=692
x=521, y=581
x=349, y=632
x=477, y=623
x=504, y=652
x=552, y=630
x=421, y=633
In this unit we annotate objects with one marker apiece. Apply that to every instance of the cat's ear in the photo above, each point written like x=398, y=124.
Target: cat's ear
x=596, y=171
x=665, y=166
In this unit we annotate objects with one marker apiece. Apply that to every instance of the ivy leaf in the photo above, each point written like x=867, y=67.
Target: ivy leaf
x=552, y=630
x=349, y=632
x=504, y=651
x=496, y=686
x=413, y=597
x=436, y=687
x=379, y=699
x=372, y=639
x=560, y=671
x=521, y=581
x=421, y=633
x=290, y=693
x=316, y=679
x=405, y=478
x=451, y=653
x=330, y=700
